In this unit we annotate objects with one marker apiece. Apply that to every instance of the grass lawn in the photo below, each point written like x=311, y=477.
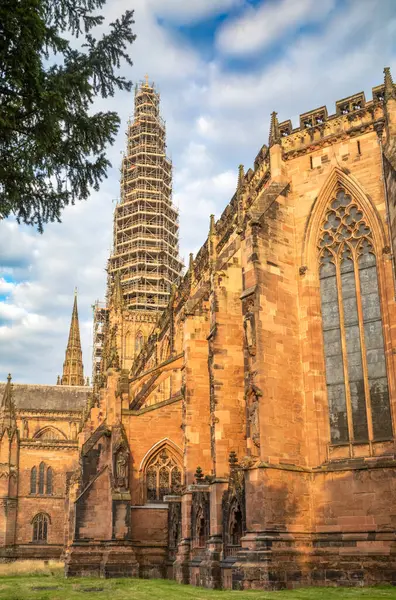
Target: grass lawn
x=48, y=583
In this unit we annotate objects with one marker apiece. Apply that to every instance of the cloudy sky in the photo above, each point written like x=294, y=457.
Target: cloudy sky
x=221, y=67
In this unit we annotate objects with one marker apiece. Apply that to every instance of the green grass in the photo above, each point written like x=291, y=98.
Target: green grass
x=51, y=585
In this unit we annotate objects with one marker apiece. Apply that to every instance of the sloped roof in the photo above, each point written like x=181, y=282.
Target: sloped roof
x=48, y=397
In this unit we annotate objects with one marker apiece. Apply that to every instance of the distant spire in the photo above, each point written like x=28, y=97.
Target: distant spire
x=73, y=371
x=7, y=409
x=274, y=136
x=390, y=91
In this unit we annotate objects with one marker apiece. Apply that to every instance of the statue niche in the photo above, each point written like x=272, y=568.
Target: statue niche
x=253, y=396
x=121, y=468
x=249, y=326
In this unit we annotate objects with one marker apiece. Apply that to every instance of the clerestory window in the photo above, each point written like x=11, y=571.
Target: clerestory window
x=356, y=376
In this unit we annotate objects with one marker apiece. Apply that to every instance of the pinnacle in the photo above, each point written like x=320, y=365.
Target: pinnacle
x=274, y=136
x=7, y=409
x=390, y=91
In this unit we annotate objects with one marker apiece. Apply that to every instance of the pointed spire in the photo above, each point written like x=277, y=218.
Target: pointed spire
x=390, y=91
x=7, y=408
x=274, y=136
x=73, y=371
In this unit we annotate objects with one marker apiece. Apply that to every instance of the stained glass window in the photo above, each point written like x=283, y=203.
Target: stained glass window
x=41, y=478
x=356, y=378
x=49, y=481
x=33, y=480
x=163, y=476
x=40, y=528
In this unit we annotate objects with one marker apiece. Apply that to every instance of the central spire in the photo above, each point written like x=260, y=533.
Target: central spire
x=73, y=370
x=146, y=231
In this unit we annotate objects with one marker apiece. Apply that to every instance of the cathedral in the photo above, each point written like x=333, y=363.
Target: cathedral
x=239, y=429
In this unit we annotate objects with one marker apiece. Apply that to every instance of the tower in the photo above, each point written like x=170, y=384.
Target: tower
x=73, y=370
x=146, y=231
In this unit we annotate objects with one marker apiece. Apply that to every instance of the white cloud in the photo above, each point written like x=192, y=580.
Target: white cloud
x=260, y=26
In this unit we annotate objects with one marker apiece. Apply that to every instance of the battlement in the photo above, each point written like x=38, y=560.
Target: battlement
x=351, y=106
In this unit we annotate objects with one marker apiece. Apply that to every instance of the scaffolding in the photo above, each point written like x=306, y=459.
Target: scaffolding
x=146, y=223
x=100, y=319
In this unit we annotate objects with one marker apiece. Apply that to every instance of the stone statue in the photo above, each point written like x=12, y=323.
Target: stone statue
x=121, y=470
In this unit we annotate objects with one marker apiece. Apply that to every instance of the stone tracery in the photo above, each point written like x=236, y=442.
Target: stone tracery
x=356, y=375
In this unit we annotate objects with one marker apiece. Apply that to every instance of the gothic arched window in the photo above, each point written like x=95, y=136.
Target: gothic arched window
x=163, y=476
x=49, y=481
x=33, y=480
x=41, y=478
x=40, y=528
x=356, y=377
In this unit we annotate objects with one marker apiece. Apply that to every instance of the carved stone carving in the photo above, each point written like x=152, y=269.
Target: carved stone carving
x=174, y=528
x=200, y=518
x=253, y=396
x=121, y=469
x=234, y=510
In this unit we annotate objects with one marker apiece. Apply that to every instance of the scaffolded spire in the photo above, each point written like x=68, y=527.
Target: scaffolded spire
x=73, y=370
x=7, y=409
x=274, y=136
x=146, y=231
x=390, y=90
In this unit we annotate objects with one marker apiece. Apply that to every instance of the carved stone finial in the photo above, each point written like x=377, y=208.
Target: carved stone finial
x=390, y=91
x=274, y=135
x=199, y=476
x=58, y=381
x=212, y=225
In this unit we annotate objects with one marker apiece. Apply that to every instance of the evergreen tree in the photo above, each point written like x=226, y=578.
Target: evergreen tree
x=52, y=68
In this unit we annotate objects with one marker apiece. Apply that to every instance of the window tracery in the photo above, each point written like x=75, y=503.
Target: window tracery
x=40, y=528
x=163, y=476
x=356, y=377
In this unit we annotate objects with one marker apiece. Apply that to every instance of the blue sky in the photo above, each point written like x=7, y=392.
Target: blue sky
x=221, y=66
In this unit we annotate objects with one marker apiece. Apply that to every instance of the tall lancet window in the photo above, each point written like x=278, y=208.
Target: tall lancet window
x=357, y=384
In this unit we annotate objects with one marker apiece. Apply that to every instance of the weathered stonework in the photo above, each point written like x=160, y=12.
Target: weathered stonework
x=250, y=442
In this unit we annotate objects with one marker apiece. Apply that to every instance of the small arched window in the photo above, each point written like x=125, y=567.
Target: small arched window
x=33, y=480
x=128, y=345
x=356, y=376
x=139, y=341
x=41, y=478
x=49, y=481
x=163, y=476
x=40, y=528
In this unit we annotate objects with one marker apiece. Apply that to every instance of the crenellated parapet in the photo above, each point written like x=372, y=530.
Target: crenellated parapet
x=353, y=116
